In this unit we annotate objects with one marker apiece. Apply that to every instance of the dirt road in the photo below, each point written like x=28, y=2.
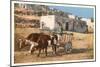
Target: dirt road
x=77, y=54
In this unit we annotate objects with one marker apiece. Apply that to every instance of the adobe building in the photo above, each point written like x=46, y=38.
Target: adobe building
x=54, y=22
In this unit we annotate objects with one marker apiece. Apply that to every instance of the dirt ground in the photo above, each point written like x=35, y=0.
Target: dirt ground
x=82, y=49
x=76, y=54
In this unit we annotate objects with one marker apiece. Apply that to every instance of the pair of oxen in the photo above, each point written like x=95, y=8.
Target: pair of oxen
x=39, y=41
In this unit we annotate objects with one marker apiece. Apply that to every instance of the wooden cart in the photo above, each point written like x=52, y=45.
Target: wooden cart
x=67, y=45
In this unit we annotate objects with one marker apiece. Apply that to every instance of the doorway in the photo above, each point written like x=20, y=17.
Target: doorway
x=67, y=26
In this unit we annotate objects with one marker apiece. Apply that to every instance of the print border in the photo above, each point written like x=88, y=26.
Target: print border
x=11, y=65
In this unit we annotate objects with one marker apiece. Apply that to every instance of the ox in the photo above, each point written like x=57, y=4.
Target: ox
x=38, y=41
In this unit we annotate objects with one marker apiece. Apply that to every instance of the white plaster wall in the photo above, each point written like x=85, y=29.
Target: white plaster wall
x=48, y=20
x=71, y=16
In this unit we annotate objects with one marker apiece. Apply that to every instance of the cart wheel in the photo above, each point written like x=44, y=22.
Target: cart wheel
x=68, y=47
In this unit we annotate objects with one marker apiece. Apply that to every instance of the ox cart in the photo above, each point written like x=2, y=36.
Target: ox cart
x=65, y=41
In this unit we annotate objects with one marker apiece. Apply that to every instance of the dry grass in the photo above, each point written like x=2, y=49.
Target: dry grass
x=83, y=40
x=26, y=31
